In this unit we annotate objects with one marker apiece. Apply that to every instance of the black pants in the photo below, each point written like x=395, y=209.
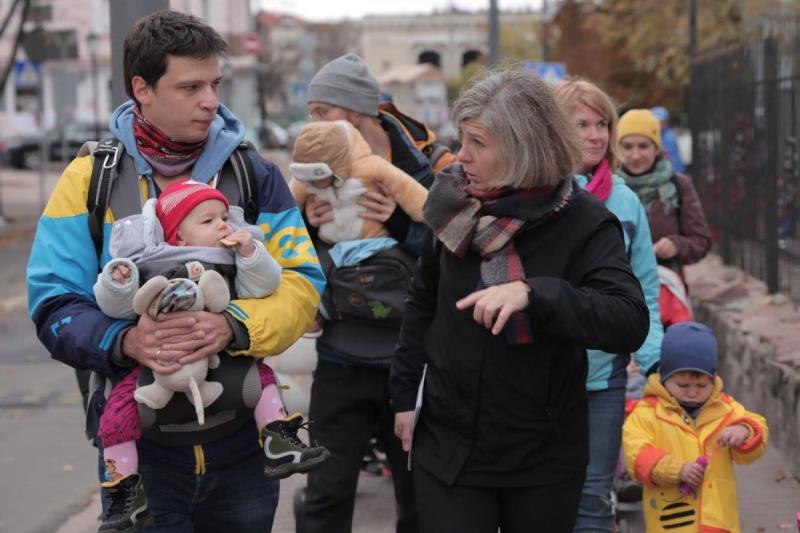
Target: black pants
x=459, y=509
x=347, y=404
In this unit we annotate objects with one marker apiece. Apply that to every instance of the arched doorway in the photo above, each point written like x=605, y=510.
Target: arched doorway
x=470, y=56
x=430, y=57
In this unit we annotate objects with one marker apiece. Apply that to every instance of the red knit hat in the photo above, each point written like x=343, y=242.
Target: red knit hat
x=178, y=200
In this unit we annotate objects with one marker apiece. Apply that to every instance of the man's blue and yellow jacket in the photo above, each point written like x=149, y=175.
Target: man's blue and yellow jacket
x=63, y=264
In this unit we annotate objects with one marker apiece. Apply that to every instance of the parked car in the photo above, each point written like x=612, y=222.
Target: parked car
x=62, y=144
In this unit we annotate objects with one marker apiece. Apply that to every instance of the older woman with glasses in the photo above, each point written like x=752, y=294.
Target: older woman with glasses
x=521, y=273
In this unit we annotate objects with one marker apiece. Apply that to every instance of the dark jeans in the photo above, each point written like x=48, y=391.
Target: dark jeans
x=606, y=415
x=347, y=403
x=461, y=509
x=232, y=495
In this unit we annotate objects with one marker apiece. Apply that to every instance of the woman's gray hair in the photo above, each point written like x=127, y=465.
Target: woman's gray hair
x=538, y=145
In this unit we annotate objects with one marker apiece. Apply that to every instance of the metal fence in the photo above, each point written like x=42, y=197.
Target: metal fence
x=745, y=121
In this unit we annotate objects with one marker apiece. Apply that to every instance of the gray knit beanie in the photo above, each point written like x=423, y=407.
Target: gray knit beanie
x=346, y=82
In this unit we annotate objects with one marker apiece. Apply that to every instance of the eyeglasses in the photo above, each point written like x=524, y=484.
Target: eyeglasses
x=319, y=112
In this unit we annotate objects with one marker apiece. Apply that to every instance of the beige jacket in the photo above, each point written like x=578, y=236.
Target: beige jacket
x=325, y=149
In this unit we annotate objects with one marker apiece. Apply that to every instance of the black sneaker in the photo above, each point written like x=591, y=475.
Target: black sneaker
x=628, y=490
x=285, y=454
x=128, y=510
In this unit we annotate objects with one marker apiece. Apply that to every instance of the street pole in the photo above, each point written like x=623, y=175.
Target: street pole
x=44, y=145
x=692, y=28
x=545, y=31
x=124, y=14
x=494, y=34
x=91, y=41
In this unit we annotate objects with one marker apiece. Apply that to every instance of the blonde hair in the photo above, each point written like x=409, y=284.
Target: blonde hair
x=577, y=91
x=538, y=145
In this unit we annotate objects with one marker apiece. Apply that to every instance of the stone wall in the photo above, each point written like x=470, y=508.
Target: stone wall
x=759, y=337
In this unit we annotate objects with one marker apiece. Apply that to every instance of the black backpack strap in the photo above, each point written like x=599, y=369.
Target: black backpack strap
x=104, y=171
x=242, y=167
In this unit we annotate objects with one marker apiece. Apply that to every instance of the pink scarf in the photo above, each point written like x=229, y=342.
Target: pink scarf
x=600, y=184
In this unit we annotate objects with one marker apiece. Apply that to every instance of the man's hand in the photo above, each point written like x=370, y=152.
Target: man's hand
x=494, y=305
x=209, y=335
x=403, y=424
x=144, y=342
x=176, y=339
x=318, y=212
x=664, y=248
x=733, y=436
x=692, y=473
x=379, y=207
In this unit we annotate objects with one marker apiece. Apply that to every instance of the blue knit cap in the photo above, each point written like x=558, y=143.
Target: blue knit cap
x=688, y=346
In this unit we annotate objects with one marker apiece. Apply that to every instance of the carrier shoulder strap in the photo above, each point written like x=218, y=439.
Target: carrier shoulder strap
x=237, y=182
x=107, y=156
x=240, y=167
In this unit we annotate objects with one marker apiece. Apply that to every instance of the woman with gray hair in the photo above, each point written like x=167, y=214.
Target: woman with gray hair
x=521, y=272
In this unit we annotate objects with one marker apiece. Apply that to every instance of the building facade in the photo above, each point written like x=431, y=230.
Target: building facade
x=76, y=79
x=448, y=39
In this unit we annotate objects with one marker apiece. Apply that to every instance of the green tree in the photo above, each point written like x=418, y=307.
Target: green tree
x=655, y=33
x=468, y=74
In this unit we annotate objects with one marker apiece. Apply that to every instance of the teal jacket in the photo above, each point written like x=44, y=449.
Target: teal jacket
x=607, y=370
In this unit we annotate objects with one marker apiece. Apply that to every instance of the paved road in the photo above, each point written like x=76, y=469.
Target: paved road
x=47, y=469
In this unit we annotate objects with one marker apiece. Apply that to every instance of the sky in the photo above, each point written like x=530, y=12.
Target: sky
x=319, y=10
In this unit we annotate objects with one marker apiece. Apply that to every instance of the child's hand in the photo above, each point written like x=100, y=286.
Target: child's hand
x=733, y=436
x=245, y=245
x=692, y=473
x=121, y=273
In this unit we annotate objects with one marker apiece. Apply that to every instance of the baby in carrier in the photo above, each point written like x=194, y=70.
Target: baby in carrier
x=202, y=236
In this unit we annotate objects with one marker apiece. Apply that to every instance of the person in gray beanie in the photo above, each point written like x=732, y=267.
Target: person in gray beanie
x=346, y=82
x=350, y=393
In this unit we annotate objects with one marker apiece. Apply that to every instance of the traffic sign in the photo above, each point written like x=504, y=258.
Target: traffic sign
x=550, y=72
x=27, y=75
x=251, y=44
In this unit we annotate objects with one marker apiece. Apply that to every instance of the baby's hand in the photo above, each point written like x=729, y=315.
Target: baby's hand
x=243, y=242
x=733, y=436
x=692, y=473
x=121, y=273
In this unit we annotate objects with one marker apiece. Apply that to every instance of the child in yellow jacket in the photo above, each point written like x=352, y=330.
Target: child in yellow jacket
x=682, y=438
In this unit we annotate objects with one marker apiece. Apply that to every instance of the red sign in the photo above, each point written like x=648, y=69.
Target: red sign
x=251, y=44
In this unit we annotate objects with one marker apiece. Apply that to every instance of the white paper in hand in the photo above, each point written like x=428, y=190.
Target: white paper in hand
x=417, y=409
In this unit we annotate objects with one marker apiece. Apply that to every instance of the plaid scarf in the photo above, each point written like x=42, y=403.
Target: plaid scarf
x=167, y=157
x=486, y=222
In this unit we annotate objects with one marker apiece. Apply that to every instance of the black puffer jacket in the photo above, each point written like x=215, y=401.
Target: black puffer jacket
x=501, y=415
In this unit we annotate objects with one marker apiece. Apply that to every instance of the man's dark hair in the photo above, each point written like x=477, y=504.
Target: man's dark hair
x=165, y=33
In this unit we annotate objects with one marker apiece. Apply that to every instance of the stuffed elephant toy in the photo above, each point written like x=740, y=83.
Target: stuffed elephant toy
x=160, y=295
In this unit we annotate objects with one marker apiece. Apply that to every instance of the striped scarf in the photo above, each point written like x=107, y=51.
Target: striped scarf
x=656, y=185
x=167, y=157
x=486, y=222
